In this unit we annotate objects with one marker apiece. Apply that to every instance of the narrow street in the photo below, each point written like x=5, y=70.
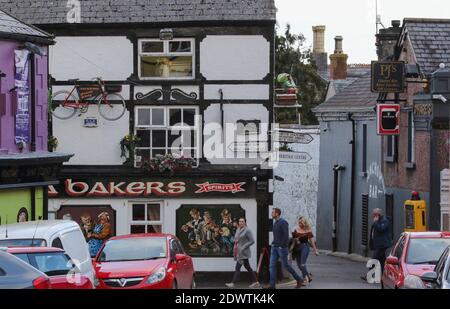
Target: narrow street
x=329, y=272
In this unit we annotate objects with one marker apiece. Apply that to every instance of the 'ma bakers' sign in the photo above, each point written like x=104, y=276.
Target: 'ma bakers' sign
x=73, y=188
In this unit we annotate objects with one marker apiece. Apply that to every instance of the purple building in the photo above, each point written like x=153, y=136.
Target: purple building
x=26, y=165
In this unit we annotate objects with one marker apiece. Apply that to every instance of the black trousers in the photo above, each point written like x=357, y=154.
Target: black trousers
x=237, y=271
x=380, y=255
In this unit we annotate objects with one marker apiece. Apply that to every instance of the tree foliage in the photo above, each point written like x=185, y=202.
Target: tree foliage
x=292, y=57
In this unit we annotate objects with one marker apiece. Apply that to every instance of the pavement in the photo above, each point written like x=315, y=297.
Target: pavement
x=329, y=271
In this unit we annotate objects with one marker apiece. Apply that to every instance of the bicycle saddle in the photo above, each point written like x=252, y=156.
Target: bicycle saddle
x=73, y=80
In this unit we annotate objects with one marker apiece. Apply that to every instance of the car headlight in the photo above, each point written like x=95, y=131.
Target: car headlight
x=413, y=282
x=157, y=276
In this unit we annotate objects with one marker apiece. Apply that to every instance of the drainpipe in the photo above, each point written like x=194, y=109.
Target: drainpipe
x=336, y=170
x=33, y=102
x=222, y=119
x=352, y=189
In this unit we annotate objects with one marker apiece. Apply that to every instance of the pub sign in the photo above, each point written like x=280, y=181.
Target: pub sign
x=388, y=77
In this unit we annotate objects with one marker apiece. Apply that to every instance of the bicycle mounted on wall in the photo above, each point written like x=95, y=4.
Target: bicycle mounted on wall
x=111, y=105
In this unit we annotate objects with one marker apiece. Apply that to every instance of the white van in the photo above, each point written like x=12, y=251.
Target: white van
x=63, y=234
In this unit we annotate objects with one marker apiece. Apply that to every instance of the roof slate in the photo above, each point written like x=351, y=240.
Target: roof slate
x=141, y=11
x=430, y=39
x=12, y=26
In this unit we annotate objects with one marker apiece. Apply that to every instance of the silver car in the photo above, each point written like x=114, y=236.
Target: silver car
x=440, y=277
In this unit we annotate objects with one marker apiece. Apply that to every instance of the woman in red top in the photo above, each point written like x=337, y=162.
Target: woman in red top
x=303, y=237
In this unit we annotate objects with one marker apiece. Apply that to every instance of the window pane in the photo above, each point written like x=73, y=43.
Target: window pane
x=142, y=155
x=138, y=212
x=180, y=66
x=166, y=67
x=153, y=212
x=143, y=117
x=175, y=116
x=156, y=152
x=189, y=117
x=159, y=138
x=152, y=47
x=158, y=117
x=180, y=47
x=175, y=138
x=137, y=229
x=154, y=229
x=189, y=138
x=144, y=138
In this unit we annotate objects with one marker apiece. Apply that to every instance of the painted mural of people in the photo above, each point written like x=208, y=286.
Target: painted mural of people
x=22, y=215
x=193, y=229
x=227, y=232
x=86, y=225
x=209, y=236
x=100, y=233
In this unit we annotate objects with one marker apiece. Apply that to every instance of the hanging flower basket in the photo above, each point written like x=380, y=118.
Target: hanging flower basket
x=128, y=148
x=170, y=163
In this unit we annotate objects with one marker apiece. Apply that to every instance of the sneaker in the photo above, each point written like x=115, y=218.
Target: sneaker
x=230, y=285
x=268, y=287
x=254, y=285
x=305, y=281
x=299, y=285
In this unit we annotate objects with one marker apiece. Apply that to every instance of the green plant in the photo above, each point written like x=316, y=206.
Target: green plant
x=128, y=148
x=168, y=163
x=52, y=143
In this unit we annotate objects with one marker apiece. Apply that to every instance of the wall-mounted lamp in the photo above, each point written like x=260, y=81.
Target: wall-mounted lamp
x=166, y=34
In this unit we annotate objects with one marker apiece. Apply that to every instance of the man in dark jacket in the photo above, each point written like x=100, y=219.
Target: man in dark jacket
x=380, y=236
x=280, y=249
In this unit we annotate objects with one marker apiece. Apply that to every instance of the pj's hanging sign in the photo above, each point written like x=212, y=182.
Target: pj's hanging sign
x=136, y=189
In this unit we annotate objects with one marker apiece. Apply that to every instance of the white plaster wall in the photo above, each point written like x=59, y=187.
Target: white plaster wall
x=170, y=206
x=233, y=113
x=109, y=57
x=234, y=57
x=297, y=194
x=91, y=146
x=237, y=92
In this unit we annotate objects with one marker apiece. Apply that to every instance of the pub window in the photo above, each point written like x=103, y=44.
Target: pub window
x=411, y=138
x=166, y=59
x=166, y=130
x=146, y=218
x=391, y=148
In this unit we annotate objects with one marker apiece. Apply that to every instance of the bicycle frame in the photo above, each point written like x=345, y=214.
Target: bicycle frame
x=80, y=104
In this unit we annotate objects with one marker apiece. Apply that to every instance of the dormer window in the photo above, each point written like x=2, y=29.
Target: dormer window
x=172, y=59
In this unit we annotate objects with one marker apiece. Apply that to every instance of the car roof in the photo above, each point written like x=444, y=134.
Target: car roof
x=148, y=235
x=40, y=229
x=428, y=234
x=16, y=250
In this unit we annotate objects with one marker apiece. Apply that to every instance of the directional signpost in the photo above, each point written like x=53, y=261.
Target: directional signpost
x=294, y=137
x=295, y=157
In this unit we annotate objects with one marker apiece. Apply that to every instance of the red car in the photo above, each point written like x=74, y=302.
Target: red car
x=56, y=264
x=414, y=254
x=144, y=261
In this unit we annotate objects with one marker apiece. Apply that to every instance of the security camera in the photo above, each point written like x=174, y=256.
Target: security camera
x=254, y=178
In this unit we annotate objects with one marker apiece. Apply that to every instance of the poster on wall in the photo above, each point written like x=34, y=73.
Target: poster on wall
x=208, y=230
x=97, y=222
x=22, y=88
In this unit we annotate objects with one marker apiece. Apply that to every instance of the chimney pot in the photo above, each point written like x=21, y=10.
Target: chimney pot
x=319, y=39
x=338, y=45
x=338, y=68
x=396, y=23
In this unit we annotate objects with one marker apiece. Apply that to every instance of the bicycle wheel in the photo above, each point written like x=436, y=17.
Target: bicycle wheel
x=112, y=107
x=60, y=105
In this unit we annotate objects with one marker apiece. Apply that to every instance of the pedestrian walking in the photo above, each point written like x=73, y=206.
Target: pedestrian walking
x=380, y=237
x=302, y=239
x=243, y=240
x=280, y=250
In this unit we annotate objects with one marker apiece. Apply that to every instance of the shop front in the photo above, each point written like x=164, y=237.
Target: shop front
x=201, y=211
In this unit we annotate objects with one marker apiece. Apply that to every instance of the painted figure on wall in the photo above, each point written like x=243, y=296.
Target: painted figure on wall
x=193, y=229
x=210, y=236
x=227, y=232
x=86, y=225
x=100, y=233
x=22, y=215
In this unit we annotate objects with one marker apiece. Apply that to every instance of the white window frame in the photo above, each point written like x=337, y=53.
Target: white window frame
x=146, y=222
x=168, y=128
x=166, y=53
x=412, y=141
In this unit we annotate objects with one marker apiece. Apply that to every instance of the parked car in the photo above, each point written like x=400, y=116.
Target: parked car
x=16, y=274
x=144, y=261
x=439, y=278
x=414, y=254
x=56, y=264
x=63, y=234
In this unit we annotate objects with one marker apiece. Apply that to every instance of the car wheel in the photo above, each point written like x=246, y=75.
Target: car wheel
x=193, y=284
x=174, y=285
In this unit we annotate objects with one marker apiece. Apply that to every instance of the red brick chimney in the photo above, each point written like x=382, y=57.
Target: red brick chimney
x=338, y=61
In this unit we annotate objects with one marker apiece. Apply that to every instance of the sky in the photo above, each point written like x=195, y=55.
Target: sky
x=354, y=20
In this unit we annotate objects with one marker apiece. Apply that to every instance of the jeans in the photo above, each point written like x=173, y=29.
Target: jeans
x=302, y=256
x=380, y=255
x=280, y=253
x=247, y=266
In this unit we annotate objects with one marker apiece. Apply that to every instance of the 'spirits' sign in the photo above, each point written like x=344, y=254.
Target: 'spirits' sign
x=97, y=189
x=388, y=77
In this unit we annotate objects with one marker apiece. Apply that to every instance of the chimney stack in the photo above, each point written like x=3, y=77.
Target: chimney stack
x=338, y=61
x=387, y=40
x=319, y=54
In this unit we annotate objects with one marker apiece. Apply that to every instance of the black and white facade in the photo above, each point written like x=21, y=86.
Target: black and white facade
x=218, y=69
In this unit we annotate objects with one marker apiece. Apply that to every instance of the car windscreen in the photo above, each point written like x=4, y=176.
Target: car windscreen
x=426, y=250
x=28, y=242
x=133, y=249
x=51, y=263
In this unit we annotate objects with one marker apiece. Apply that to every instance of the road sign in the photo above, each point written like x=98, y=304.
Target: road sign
x=388, y=119
x=295, y=157
x=245, y=146
x=293, y=137
x=388, y=77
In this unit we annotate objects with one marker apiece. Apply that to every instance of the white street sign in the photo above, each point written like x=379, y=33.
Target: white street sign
x=295, y=157
x=293, y=137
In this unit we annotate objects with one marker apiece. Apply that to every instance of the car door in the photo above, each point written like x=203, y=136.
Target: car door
x=180, y=271
x=392, y=272
x=188, y=267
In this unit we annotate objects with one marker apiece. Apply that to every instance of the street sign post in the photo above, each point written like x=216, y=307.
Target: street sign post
x=388, y=119
x=293, y=137
x=388, y=76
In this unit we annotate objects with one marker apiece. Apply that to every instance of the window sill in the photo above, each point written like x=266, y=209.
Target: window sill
x=389, y=159
x=410, y=165
x=363, y=174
